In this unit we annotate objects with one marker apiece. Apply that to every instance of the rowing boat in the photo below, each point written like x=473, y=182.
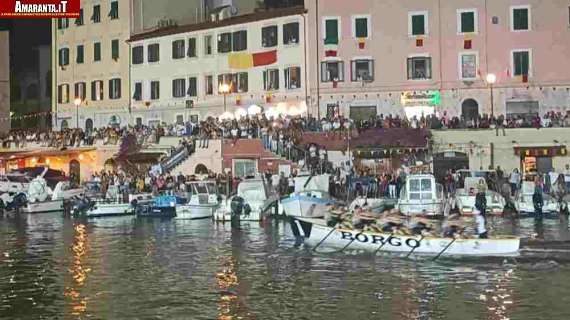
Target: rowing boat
x=316, y=233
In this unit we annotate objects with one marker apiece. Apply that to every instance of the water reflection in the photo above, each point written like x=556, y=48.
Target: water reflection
x=78, y=271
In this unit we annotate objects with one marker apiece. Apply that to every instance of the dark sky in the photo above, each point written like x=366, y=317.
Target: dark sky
x=25, y=34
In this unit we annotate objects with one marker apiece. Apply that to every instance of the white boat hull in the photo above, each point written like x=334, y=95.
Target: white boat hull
x=428, y=208
x=303, y=206
x=314, y=232
x=466, y=205
x=226, y=216
x=44, y=206
x=193, y=212
x=109, y=210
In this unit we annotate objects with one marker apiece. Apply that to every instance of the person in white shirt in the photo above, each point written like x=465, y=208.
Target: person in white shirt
x=275, y=182
x=514, y=181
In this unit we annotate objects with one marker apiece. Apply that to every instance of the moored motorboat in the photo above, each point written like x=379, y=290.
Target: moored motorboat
x=160, y=207
x=204, y=201
x=524, y=203
x=310, y=198
x=422, y=196
x=252, y=201
x=317, y=233
x=465, y=197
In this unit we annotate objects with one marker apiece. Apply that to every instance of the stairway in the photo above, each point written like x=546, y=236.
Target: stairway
x=210, y=158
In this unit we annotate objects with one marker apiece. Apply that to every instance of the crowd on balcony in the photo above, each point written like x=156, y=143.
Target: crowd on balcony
x=260, y=126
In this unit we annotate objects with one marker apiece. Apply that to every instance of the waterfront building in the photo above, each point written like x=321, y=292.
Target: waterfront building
x=459, y=58
x=4, y=81
x=90, y=62
x=187, y=73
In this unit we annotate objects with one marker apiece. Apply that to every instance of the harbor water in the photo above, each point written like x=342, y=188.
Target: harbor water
x=127, y=268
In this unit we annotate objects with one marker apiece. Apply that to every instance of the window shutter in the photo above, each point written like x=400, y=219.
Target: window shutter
x=265, y=80
x=331, y=32
x=410, y=68
x=192, y=47
x=428, y=68
x=115, y=49
x=520, y=17
x=467, y=22
x=192, y=87
x=524, y=63
x=361, y=27
x=418, y=25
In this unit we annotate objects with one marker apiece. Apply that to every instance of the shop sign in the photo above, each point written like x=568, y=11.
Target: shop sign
x=541, y=151
x=421, y=98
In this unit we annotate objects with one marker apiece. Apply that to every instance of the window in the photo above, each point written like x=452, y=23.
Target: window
x=97, y=51
x=468, y=63
x=137, y=95
x=240, y=40
x=521, y=63
x=420, y=189
x=467, y=21
x=362, y=70
x=291, y=33
x=269, y=36
x=242, y=82
x=419, y=68
x=154, y=90
x=192, y=87
x=180, y=119
x=178, y=88
x=360, y=27
x=63, y=93
x=418, y=23
x=115, y=49
x=153, y=52
x=79, y=20
x=62, y=23
x=244, y=168
x=191, y=48
x=114, y=13
x=178, y=50
x=225, y=42
x=208, y=45
x=209, y=85
x=80, y=54
x=332, y=71
x=331, y=31
x=64, y=56
x=115, y=89
x=292, y=77
x=80, y=90
x=97, y=90
x=96, y=17
x=138, y=55
x=271, y=79
x=520, y=18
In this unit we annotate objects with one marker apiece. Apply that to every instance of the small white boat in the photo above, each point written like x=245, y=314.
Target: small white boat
x=524, y=204
x=255, y=195
x=14, y=183
x=42, y=199
x=316, y=233
x=204, y=201
x=421, y=195
x=102, y=209
x=111, y=206
x=310, y=199
x=465, y=197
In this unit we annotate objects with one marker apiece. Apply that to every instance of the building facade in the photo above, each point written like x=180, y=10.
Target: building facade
x=4, y=81
x=411, y=57
x=90, y=62
x=177, y=73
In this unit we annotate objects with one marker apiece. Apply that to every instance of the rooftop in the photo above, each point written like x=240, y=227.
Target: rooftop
x=246, y=18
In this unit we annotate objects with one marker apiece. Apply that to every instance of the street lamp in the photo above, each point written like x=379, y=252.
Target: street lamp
x=77, y=102
x=224, y=89
x=491, y=79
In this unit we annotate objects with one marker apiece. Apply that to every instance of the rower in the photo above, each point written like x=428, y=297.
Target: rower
x=420, y=226
x=452, y=227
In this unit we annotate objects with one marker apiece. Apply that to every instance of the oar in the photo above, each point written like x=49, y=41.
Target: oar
x=325, y=238
x=351, y=241
x=444, y=249
x=414, y=248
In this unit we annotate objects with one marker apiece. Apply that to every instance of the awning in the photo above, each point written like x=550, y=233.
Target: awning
x=540, y=151
x=43, y=153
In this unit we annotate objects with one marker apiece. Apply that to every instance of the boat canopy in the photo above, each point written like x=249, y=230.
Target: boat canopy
x=312, y=183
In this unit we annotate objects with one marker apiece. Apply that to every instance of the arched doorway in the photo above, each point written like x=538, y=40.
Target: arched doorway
x=470, y=109
x=89, y=125
x=201, y=169
x=74, y=172
x=114, y=121
x=64, y=124
x=110, y=165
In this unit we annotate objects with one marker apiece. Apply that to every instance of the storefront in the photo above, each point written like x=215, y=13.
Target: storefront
x=418, y=103
x=538, y=160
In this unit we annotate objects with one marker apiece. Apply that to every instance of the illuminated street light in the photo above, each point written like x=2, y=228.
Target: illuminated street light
x=77, y=102
x=224, y=89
